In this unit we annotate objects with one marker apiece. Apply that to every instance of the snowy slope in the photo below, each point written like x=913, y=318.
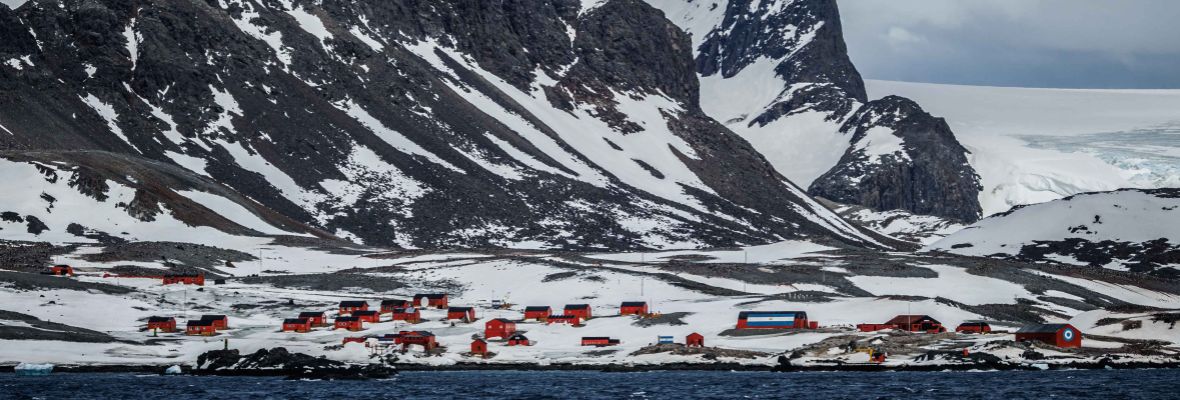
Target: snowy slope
x=1035, y=145
x=1126, y=229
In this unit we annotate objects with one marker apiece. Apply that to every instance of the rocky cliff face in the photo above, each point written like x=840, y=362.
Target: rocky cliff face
x=530, y=123
x=902, y=158
x=778, y=73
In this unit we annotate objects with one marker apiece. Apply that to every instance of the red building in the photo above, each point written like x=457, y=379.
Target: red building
x=387, y=306
x=409, y=314
x=580, y=310
x=316, y=318
x=200, y=327
x=539, y=313
x=1060, y=335
x=299, y=325
x=633, y=308
x=61, y=270
x=974, y=327
x=564, y=319
x=355, y=339
x=349, y=323
x=912, y=323
x=694, y=340
x=465, y=314
x=348, y=306
x=421, y=338
x=161, y=324
x=773, y=320
x=371, y=316
x=435, y=300
x=220, y=322
x=519, y=340
x=479, y=347
x=499, y=327
x=599, y=341
x=185, y=279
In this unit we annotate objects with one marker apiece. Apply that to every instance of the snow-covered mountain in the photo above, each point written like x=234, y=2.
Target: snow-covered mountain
x=527, y=123
x=777, y=73
x=1130, y=229
x=1036, y=145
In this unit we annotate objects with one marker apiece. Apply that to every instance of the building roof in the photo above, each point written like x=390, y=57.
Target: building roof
x=634, y=303
x=365, y=312
x=161, y=319
x=911, y=319
x=415, y=333
x=347, y=319
x=1042, y=328
x=696, y=334
x=595, y=338
x=744, y=314
x=459, y=309
x=537, y=308
x=200, y=322
x=480, y=340
x=354, y=303
x=405, y=310
x=300, y=321
x=504, y=320
x=394, y=302
x=213, y=317
x=517, y=336
x=576, y=306
x=560, y=316
x=431, y=295
x=311, y=314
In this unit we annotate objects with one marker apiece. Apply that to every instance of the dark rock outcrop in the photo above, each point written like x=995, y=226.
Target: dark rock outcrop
x=280, y=362
x=905, y=159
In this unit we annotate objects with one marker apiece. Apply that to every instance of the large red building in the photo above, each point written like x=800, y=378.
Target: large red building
x=421, y=338
x=200, y=327
x=433, y=300
x=162, y=324
x=348, y=323
x=1060, y=335
x=912, y=323
x=371, y=316
x=633, y=308
x=387, y=306
x=316, y=318
x=465, y=314
x=539, y=313
x=220, y=322
x=348, y=306
x=580, y=310
x=299, y=325
x=499, y=327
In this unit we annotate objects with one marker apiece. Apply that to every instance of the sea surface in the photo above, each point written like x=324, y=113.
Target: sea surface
x=1093, y=384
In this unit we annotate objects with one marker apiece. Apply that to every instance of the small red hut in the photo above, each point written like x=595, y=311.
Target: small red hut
x=580, y=310
x=371, y=316
x=599, y=341
x=1060, y=335
x=519, y=340
x=200, y=328
x=564, y=319
x=348, y=306
x=355, y=339
x=633, y=308
x=479, y=347
x=161, y=324
x=61, y=270
x=465, y=314
x=539, y=313
x=694, y=340
x=422, y=338
x=434, y=300
x=974, y=327
x=408, y=314
x=220, y=322
x=387, y=306
x=315, y=317
x=298, y=325
x=349, y=323
x=184, y=279
x=499, y=327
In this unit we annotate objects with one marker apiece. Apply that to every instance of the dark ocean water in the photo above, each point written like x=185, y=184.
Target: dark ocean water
x=1125, y=384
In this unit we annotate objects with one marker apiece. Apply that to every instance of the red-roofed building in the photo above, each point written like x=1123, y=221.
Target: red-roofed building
x=299, y=325
x=348, y=306
x=580, y=310
x=499, y=327
x=161, y=324
x=349, y=323
x=422, y=338
x=433, y=300
x=200, y=328
x=1060, y=335
x=479, y=347
x=694, y=340
x=371, y=316
x=316, y=318
x=387, y=306
x=519, y=340
x=633, y=308
x=539, y=313
x=220, y=322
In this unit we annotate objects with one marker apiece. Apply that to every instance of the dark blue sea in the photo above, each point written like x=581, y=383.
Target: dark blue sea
x=1122, y=384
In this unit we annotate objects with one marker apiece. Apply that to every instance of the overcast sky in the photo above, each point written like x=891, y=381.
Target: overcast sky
x=1037, y=43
